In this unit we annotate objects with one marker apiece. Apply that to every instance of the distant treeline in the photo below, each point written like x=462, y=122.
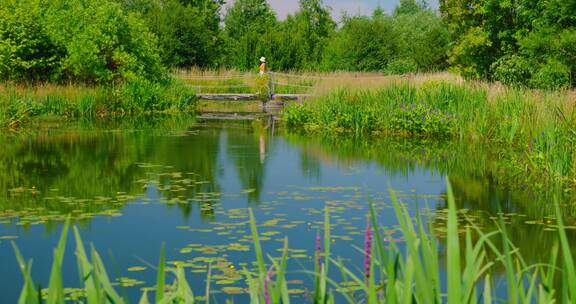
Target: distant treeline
x=520, y=42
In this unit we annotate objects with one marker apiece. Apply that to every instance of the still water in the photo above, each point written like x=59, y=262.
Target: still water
x=189, y=185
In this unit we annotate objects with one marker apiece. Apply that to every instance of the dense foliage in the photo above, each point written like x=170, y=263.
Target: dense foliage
x=520, y=43
x=86, y=41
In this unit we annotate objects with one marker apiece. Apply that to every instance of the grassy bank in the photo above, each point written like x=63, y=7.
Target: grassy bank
x=20, y=103
x=455, y=262
x=539, y=126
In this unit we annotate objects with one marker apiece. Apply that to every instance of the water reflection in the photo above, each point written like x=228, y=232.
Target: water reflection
x=185, y=183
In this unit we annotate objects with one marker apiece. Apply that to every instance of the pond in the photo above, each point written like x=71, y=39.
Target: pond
x=188, y=185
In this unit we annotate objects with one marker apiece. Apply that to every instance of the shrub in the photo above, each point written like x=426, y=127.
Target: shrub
x=511, y=70
x=402, y=66
x=552, y=75
x=297, y=115
x=263, y=86
x=141, y=95
x=80, y=41
x=421, y=119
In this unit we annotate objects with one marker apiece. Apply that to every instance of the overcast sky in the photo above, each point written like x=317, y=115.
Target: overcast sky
x=353, y=7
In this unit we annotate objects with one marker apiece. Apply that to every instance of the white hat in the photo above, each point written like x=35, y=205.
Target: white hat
x=262, y=59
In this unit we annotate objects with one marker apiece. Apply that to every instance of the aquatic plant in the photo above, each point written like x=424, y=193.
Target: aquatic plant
x=411, y=274
x=420, y=119
x=541, y=125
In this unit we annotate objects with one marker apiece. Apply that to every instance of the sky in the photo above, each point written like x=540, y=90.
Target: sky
x=352, y=7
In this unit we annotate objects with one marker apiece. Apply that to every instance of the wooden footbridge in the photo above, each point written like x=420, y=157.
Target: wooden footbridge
x=241, y=87
x=251, y=97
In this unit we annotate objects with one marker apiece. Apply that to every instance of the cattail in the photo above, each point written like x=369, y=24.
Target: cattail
x=367, y=251
x=319, y=249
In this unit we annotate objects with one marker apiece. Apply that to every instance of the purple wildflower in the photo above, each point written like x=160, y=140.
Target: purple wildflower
x=367, y=250
x=319, y=249
x=266, y=283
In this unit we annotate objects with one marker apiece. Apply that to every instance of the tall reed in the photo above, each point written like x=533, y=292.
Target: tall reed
x=19, y=104
x=539, y=126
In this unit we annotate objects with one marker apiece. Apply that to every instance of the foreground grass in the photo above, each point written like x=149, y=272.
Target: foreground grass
x=540, y=125
x=414, y=273
x=20, y=103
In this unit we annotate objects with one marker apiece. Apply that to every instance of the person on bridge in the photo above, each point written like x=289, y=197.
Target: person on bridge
x=263, y=67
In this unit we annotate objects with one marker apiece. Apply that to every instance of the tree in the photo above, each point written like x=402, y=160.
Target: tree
x=74, y=40
x=26, y=50
x=300, y=40
x=363, y=44
x=248, y=28
x=409, y=7
x=103, y=43
x=188, y=31
x=518, y=42
x=423, y=39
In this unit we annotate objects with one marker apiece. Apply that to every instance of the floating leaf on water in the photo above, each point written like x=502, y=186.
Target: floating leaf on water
x=8, y=237
x=136, y=268
x=296, y=291
x=270, y=233
x=233, y=290
x=128, y=282
x=225, y=282
x=185, y=250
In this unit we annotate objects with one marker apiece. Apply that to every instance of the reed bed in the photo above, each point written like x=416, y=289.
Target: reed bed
x=20, y=103
x=540, y=125
x=459, y=263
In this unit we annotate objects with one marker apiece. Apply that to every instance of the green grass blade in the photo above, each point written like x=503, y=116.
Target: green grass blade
x=487, y=295
x=86, y=271
x=101, y=276
x=568, y=266
x=161, y=275
x=55, y=285
x=327, y=238
x=453, y=250
x=408, y=295
x=257, y=247
x=280, y=276
x=28, y=294
x=144, y=298
x=208, y=282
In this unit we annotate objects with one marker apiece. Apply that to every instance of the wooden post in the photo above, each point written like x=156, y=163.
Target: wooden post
x=271, y=86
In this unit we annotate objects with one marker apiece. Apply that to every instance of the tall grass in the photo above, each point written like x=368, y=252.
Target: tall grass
x=412, y=273
x=541, y=125
x=18, y=104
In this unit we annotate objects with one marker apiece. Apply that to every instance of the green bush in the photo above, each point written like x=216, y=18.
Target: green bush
x=178, y=96
x=511, y=70
x=75, y=40
x=297, y=115
x=552, y=75
x=421, y=119
x=141, y=95
x=401, y=66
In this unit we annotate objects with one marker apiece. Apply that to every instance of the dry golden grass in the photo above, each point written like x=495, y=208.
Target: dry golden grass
x=41, y=91
x=324, y=83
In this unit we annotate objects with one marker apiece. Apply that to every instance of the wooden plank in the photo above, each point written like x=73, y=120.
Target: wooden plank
x=285, y=97
x=227, y=96
x=250, y=97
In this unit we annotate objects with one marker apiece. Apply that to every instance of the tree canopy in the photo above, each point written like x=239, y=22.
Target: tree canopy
x=518, y=42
